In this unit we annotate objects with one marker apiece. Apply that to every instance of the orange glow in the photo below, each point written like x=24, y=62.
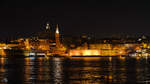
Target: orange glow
x=137, y=48
x=122, y=58
x=110, y=58
x=137, y=58
x=90, y=52
x=2, y=52
x=2, y=61
x=95, y=52
x=110, y=77
x=84, y=52
x=27, y=61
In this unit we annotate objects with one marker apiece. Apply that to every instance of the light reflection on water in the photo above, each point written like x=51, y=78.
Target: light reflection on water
x=58, y=70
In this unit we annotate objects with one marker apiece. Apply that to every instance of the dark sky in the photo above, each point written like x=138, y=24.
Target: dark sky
x=99, y=17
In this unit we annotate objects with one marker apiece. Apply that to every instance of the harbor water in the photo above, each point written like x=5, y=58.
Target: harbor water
x=63, y=70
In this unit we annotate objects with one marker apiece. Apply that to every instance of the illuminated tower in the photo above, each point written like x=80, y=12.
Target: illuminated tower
x=47, y=26
x=48, y=34
x=57, y=37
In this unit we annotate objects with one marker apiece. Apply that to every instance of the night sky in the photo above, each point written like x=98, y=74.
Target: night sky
x=101, y=17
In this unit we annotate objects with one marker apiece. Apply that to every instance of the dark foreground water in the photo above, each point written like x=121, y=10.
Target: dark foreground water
x=103, y=70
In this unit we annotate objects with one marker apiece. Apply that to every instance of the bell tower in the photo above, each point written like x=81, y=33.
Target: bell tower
x=57, y=37
x=48, y=33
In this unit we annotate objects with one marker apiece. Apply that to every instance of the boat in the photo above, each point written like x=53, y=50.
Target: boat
x=35, y=53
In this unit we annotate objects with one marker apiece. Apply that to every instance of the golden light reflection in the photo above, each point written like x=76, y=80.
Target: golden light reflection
x=27, y=69
x=2, y=69
x=40, y=59
x=2, y=52
x=57, y=70
x=110, y=58
x=121, y=57
x=27, y=61
x=86, y=58
x=2, y=61
x=137, y=58
x=110, y=77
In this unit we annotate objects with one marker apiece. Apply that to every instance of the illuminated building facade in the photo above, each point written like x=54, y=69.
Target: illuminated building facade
x=46, y=42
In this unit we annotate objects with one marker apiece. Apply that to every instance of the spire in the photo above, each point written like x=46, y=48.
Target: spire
x=57, y=30
x=57, y=37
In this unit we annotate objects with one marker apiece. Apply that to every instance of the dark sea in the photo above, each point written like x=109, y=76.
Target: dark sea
x=63, y=70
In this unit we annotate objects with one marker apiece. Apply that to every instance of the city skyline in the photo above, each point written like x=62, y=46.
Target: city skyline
x=74, y=42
